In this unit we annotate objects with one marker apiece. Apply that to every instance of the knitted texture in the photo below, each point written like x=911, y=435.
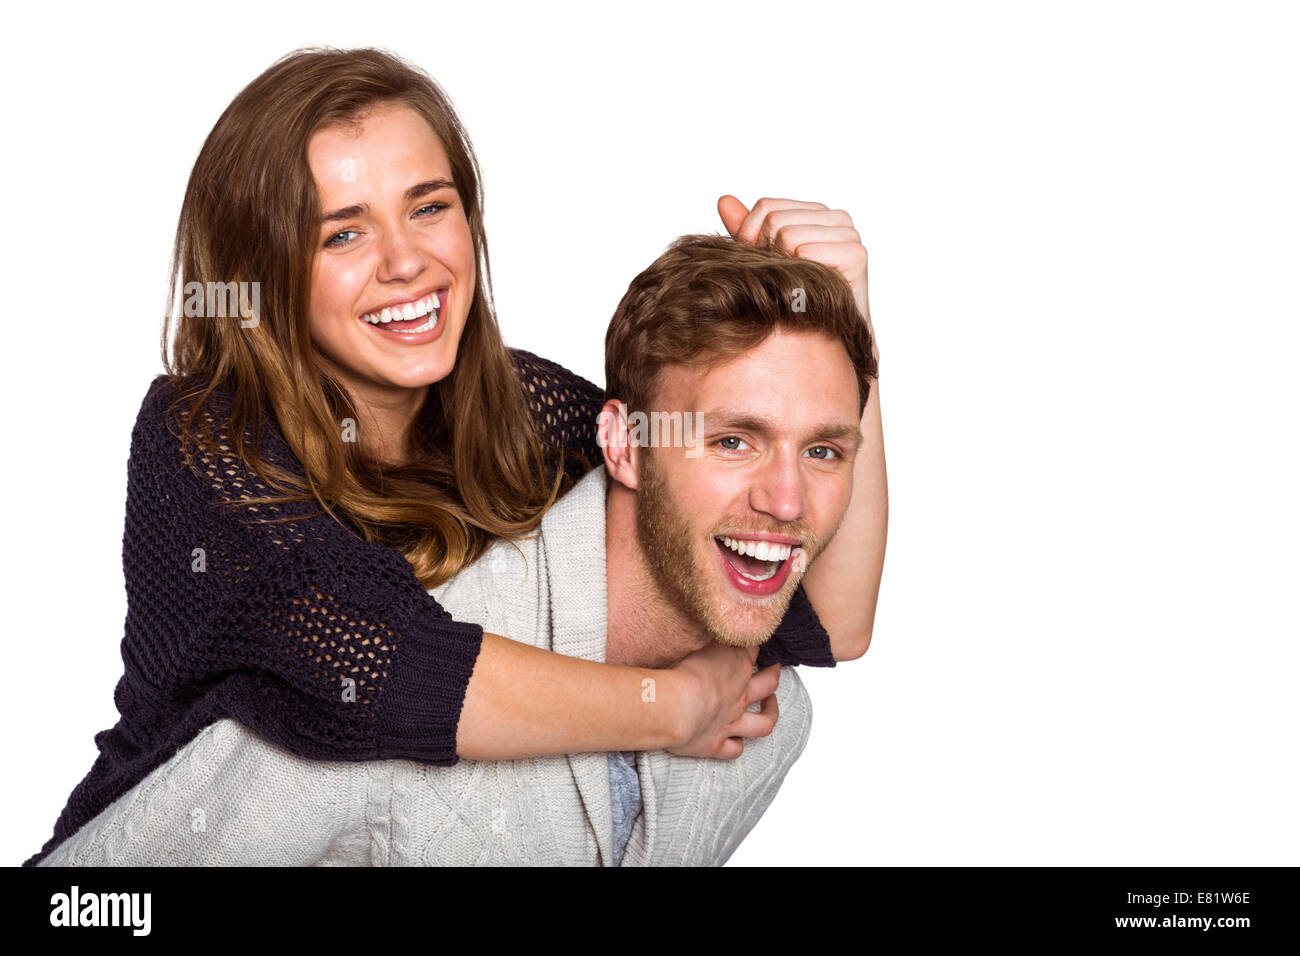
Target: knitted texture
x=232, y=798
x=317, y=641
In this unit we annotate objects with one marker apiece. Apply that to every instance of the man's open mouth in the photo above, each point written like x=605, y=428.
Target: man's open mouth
x=755, y=560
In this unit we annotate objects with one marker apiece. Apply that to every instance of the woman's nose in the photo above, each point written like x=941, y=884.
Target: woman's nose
x=402, y=257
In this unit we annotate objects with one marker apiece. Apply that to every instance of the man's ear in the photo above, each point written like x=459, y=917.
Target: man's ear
x=613, y=436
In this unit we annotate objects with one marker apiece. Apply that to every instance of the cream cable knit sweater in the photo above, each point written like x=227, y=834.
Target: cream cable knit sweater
x=230, y=798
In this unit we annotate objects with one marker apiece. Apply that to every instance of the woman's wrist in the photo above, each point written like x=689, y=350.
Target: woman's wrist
x=525, y=701
x=666, y=698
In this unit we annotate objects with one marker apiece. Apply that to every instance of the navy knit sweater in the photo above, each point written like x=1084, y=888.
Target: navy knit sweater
x=263, y=622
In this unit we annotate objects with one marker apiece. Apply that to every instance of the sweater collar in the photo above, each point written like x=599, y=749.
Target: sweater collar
x=573, y=541
x=575, y=568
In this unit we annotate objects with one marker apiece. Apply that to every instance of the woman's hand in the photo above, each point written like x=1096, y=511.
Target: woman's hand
x=716, y=687
x=808, y=230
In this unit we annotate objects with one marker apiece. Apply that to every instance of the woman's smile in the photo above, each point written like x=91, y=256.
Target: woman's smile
x=407, y=320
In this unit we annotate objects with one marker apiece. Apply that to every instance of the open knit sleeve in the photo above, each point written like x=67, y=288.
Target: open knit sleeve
x=350, y=656
x=316, y=640
x=566, y=406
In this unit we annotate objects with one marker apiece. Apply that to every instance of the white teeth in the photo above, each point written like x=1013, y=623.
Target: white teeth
x=763, y=550
x=412, y=310
x=424, y=327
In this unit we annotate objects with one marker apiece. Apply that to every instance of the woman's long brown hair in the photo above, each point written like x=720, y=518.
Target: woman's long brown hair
x=251, y=214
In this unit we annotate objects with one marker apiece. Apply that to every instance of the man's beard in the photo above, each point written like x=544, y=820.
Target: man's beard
x=662, y=534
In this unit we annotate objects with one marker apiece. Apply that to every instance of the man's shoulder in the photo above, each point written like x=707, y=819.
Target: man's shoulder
x=580, y=512
x=505, y=591
x=545, y=588
x=505, y=563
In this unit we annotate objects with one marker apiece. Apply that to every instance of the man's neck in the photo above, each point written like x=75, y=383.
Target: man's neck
x=642, y=629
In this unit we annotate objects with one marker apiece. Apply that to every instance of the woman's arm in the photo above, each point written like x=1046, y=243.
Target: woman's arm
x=844, y=582
x=524, y=701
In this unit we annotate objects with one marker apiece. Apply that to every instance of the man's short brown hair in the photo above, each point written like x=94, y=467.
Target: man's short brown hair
x=709, y=299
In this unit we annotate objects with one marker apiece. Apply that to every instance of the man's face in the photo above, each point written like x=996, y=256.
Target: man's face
x=780, y=427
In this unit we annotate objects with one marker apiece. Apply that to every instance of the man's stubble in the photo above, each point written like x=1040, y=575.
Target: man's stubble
x=662, y=534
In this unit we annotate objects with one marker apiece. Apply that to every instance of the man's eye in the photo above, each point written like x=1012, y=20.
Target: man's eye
x=830, y=454
x=732, y=438
x=334, y=240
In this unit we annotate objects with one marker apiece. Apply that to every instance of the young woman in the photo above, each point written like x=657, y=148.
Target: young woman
x=340, y=429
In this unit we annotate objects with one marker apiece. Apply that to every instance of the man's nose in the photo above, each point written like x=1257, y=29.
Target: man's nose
x=778, y=488
x=402, y=259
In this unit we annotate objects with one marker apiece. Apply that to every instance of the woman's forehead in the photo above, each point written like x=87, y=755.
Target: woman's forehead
x=386, y=153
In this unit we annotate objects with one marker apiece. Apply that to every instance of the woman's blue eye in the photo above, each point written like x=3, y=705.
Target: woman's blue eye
x=338, y=240
x=334, y=239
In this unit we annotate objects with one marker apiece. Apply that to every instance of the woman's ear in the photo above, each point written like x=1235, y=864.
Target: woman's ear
x=613, y=439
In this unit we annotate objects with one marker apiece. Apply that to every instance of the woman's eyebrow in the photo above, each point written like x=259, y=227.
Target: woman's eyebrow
x=415, y=192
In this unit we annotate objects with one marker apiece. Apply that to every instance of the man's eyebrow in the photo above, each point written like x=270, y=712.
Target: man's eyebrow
x=724, y=419
x=415, y=192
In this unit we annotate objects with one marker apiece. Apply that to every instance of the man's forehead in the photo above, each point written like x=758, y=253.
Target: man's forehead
x=764, y=406
x=813, y=368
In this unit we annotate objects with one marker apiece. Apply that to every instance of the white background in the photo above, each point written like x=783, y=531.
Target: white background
x=1083, y=228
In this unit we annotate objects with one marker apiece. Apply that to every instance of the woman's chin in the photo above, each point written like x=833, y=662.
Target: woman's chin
x=421, y=369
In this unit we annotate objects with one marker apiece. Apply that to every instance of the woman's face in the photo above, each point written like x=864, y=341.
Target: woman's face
x=394, y=244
